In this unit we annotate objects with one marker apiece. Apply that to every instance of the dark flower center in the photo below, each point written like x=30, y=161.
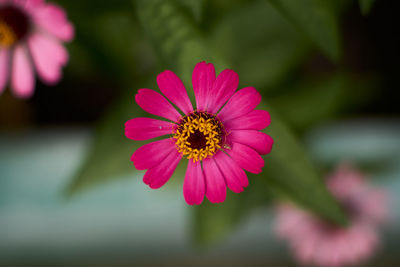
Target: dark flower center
x=15, y=24
x=197, y=140
x=199, y=135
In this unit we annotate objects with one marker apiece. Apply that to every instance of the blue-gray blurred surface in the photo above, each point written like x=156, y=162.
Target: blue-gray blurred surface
x=124, y=222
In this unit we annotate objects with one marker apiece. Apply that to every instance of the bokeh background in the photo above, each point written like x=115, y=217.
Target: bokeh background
x=327, y=70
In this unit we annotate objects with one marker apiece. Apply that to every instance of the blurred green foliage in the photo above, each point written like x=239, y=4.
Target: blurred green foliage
x=210, y=222
x=261, y=48
x=269, y=44
x=366, y=6
x=109, y=156
x=329, y=95
x=317, y=19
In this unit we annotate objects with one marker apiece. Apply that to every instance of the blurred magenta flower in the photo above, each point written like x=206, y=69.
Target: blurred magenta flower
x=31, y=36
x=219, y=140
x=315, y=241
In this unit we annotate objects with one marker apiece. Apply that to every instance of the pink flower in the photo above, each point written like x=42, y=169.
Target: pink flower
x=31, y=36
x=315, y=241
x=219, y=140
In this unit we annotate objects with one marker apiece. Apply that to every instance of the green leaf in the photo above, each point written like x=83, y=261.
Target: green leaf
x=118, y=34
x=81, y=10
x=317, y=19
x=258, y=42
x=109, y=155
x=212, y=222
x=366, y=6
x=195, y=7
x=174, y=35
x=106, y=45
x=312, y=101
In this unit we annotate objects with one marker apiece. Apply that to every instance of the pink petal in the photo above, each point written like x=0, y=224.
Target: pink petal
x=4, y=68
x=224, y=87
x=215, y=182
x=203, y=78
x=254, y=120
x=156, y=104
x=172, y=87
x=306, y=250
x=374, y=206
x=287, y=220
x=241, y=103
x=149, y=155
x=259, y=141
x=49, y=56
x=160, y=174
x=53, y=19
x=22, y=79
x=194, y=184
x=235, y=177
x=246, y=158
x=29, y=5
x=147, y=128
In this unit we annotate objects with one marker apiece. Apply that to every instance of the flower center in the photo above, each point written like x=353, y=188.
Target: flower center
x=199, y=135
x=14, y=25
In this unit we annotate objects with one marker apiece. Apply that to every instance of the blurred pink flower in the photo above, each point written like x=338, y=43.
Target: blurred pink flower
x=219, y=140
x=31, y=36
x=315, y=241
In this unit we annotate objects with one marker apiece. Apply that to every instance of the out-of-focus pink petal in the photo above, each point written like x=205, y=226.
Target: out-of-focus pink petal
x=22, y=79
x=224, y=87
x=215, y=182
x=345, y=181
x=235, y=177
x=241, y=103
x=154, y=103
x=49, y=56
x=203, y=78
x=349, y=183
x=287, y=218
x=374, y=205
x=322, y=254
x=194, y=184
x=308, y=248
x=149, y=155
x=53, y=19
x=4, y=68
x=254, y=120
x=30, y=6
x=160, y=174
x=147, y=128
x=317, y=242
x=246, y=158
x=259, y=141
x=172, y=87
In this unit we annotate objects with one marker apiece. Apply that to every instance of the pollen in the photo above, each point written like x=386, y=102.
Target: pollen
x=199, y=135
x=7, y=35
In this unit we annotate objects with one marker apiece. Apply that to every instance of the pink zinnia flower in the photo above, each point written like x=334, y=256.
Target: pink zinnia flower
x=31, y=36
x=221, y=137
x=315, y=241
